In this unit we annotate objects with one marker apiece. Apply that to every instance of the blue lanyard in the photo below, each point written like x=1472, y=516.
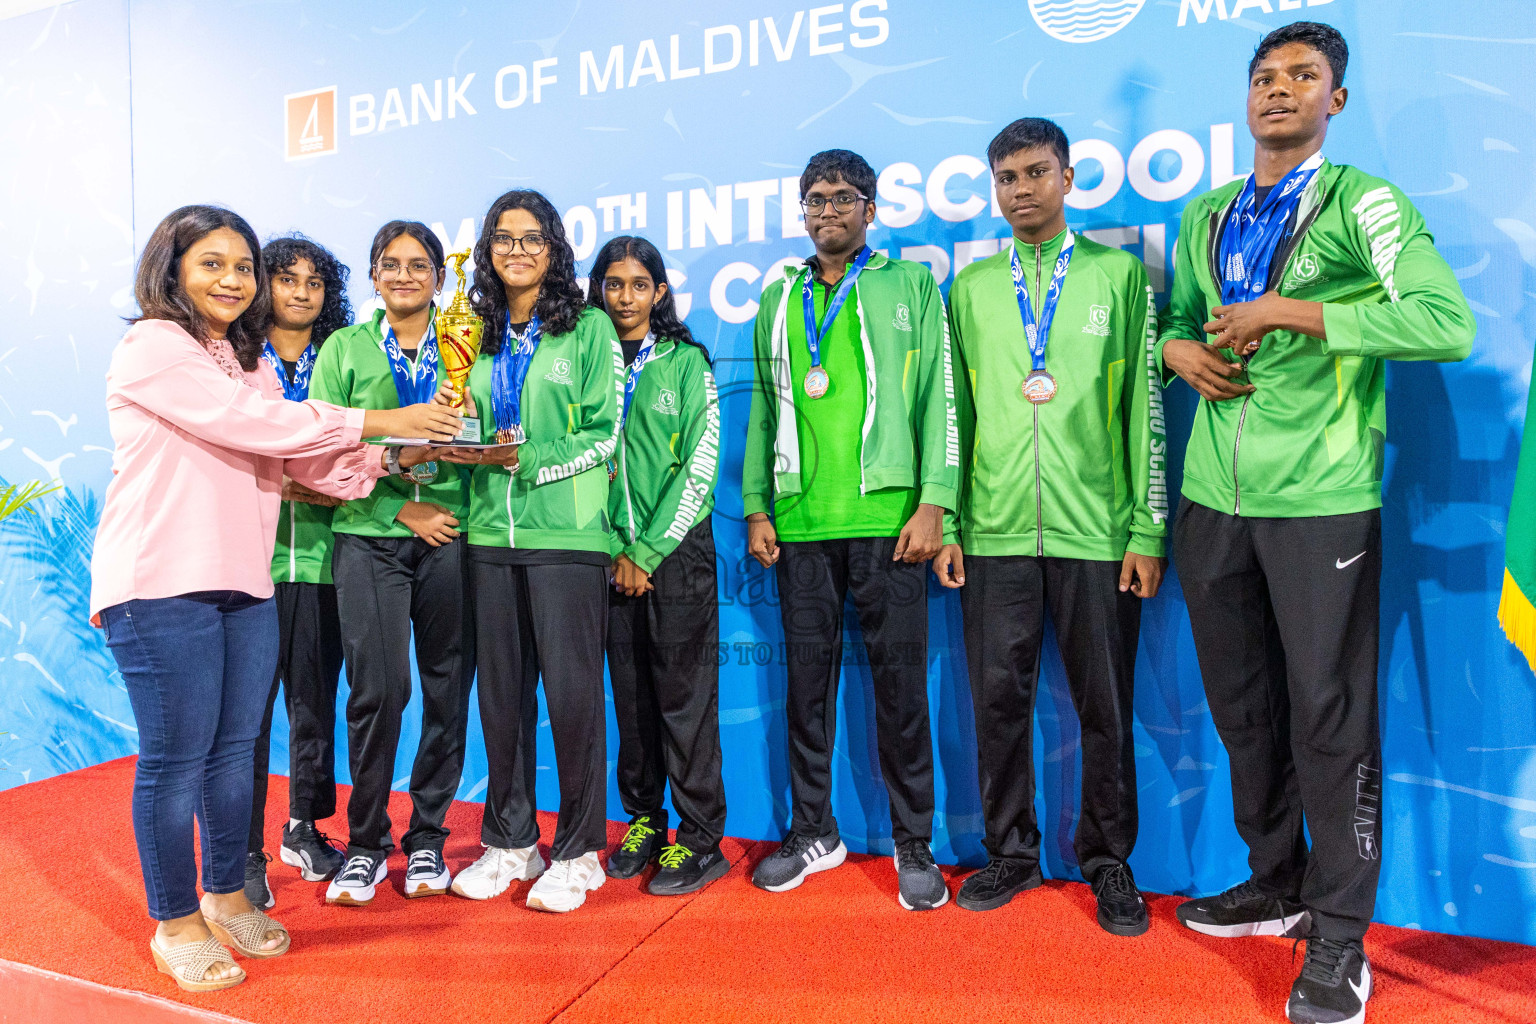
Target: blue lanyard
x=1253, y=232
x=509, y=370
x=647, y=350
x=1038, y=334
x=297, y=389
x=413, y=384
x=813, y=337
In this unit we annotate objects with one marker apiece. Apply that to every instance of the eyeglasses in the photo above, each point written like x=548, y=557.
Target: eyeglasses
x=419, y=269
x=842, y=202
x=532, y=243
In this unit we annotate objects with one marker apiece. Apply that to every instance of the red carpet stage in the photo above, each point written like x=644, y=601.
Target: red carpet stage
x=74, y=936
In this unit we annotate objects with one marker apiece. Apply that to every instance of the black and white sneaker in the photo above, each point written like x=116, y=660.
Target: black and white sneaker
x=1122, y=911
x=1334, y=985
x=918, y=880
x=314, y=853
x=1245, y=910
x=256, y=888
x=798, y=856
x=426, y=874
x=354, y=886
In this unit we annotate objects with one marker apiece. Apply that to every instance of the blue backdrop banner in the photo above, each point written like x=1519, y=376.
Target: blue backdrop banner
x=689, y=123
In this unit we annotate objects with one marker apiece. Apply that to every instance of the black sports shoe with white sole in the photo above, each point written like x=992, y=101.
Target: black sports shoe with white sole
x=918, y=881
x=311, y=851
x=1122, y=911
x=426, y=874
x=1245, y=910
x=798, y=856
x=354, y=885
x=684, y=871
x=256, y=888
x=1334, y=984
x=996, y=885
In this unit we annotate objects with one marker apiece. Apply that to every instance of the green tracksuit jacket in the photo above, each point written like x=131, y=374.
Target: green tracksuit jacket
x=304, y=543
x=911, y=428
x=669, y=454
x=558, y=496
x=1085, y=474
x=352, y=370
x=1310, y=440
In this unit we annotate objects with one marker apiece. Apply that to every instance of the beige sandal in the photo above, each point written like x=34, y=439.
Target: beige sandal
x=188, y=964
x=246, y=932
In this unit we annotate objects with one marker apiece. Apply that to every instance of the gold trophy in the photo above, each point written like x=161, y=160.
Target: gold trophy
x=458, y=346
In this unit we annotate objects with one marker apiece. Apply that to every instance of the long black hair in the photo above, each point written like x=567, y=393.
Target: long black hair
x=280, y=254
x=560, y=302
x=417, y=230
x=160, y=295
x=665, y=323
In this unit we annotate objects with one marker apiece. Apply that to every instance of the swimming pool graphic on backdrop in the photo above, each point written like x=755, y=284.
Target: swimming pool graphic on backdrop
x=1083, y=21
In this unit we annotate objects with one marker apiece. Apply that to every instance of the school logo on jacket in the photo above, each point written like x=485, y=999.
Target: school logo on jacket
x=903, y=318
x=560, y=372
x=309, y=120
x=666, y=403
x=1098, y=321
x=1304, y=269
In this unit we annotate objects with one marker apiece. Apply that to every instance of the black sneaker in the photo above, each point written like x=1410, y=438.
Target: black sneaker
x=1245, y=910
x=1334, y=985
x=996, y=884
x=426, y=874
x=315, y=854
x=798, y=856
x=641, y=844
x=256, y=888
x=683, y=870
x=1122, y=911
x=920, y=885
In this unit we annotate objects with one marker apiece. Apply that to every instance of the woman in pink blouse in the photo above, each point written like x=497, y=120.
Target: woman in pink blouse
x=180, y=577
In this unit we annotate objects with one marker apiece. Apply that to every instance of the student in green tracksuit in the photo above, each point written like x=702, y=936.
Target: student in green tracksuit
x=547, y=386
x=399, y=568
x=1291, y=286
x=852, y=460
x=663, y=615
x=309, y=303
x=1063, y=514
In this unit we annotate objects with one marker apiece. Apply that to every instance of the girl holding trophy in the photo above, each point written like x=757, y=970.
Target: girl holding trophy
x=547, y=387
x=399, y=570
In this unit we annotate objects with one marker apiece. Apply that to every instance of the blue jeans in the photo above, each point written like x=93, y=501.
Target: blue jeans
x=197, y=668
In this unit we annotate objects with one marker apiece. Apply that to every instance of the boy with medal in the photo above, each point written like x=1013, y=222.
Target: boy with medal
x=852, y=460
x=400, y=573
x=1063, y=514
x=1324, y=271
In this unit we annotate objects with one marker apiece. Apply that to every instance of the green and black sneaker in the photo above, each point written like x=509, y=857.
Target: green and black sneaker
x=683, y=870
x=641, y=844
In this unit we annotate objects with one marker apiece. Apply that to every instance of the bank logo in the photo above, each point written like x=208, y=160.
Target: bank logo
x=1098, y=321
x=1083, y=21
x=309, y=123
x=560, y=372
x=1304, y=270
x=903, y=319
x=666, y=402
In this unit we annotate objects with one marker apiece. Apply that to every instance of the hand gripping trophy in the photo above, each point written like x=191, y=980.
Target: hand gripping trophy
x=458, y=346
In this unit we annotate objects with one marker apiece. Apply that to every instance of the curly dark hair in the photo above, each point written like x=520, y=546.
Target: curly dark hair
x=560, y=302
x=280, y=254
x=665, y=323
x=157, y=283
x=1325, y=39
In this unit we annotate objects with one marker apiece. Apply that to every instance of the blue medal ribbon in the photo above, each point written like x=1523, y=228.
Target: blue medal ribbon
x=1037, y=334
x=296, y=390
x=813, y=336
x=413, y=384
x=1254, y=232
x=647, y=350
x=509, y=369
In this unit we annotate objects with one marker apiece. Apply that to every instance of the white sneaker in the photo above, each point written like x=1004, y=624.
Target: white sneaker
x=565, y=885
x=353, y=886
x=497, y=869
x=426, y=874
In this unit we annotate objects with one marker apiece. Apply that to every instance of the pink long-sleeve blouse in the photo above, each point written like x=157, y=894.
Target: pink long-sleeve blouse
x=199, y=465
